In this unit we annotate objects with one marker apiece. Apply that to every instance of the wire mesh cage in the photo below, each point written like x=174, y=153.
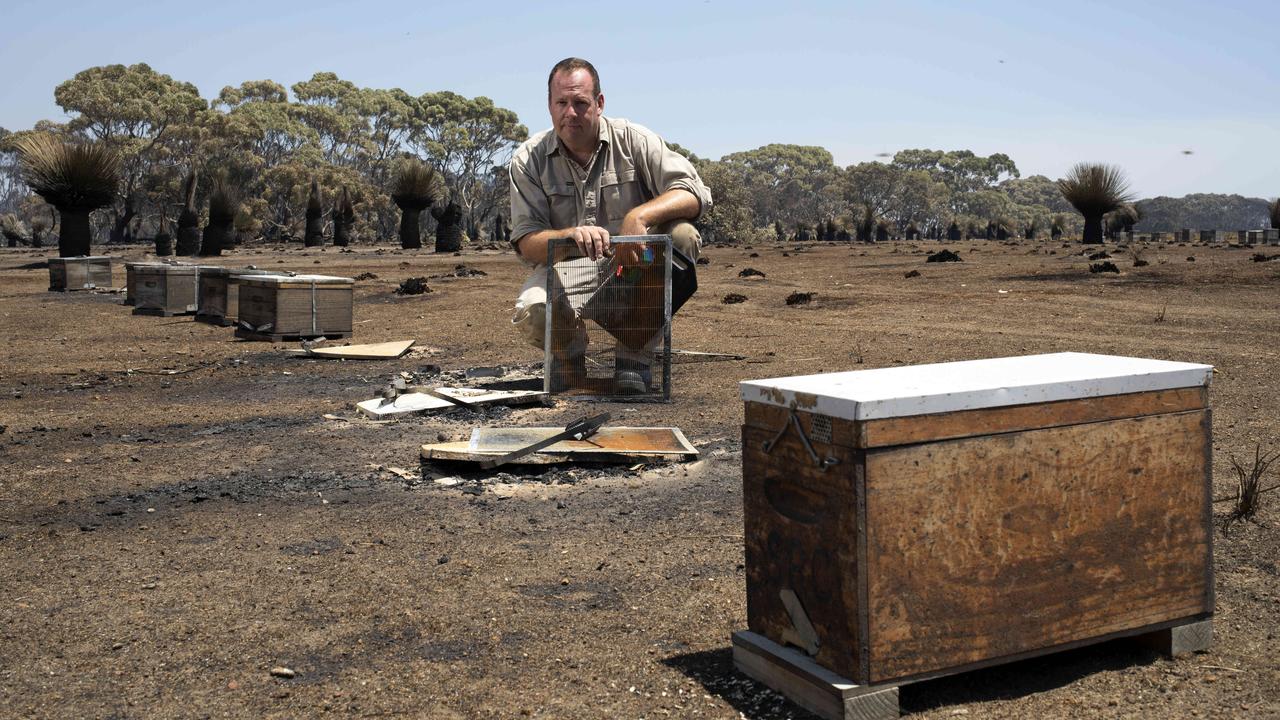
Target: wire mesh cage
x=608, y=330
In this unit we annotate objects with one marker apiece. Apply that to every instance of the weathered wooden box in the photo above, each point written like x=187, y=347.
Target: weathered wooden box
x=80, y=273
x=131, y=279
x=289, y=307
x=164, y=289
x=913, y=522
x=219, y=295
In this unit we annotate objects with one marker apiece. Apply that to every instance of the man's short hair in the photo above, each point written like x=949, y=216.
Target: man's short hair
x=569, y=65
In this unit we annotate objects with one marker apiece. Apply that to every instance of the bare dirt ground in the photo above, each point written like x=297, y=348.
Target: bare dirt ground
x=168, y=539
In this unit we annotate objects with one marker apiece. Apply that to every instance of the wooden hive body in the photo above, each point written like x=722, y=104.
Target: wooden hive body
x=975, y=513
x=164, y=289
x=80, y=273
x=131, y=278
x=220, y=292
x=300, y=306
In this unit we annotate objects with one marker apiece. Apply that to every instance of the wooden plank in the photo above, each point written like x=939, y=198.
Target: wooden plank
x=403, y=405
x=370, y=351
x=810, y=685
x=970, y=423
x=800, y=535
x=988, y=421
x=647, y=440
x=990, y=547
x=462, y=452
x=415, y=402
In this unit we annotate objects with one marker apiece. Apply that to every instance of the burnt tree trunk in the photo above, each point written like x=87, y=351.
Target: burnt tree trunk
x=217, y=235
x=164, y=244
x=448, y=227
x=75, y=236
x=188, y=233
x=410, y=233
x=120, y=229
x=1092, y=230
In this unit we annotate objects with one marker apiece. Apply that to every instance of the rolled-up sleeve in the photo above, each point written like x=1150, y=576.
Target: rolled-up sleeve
x=530, y=209
x=671, y=170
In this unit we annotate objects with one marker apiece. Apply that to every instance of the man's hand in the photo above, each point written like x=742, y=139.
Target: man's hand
x=632, y=224
x=592, y=240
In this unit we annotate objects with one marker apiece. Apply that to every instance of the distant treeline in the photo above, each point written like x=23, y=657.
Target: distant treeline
x=1202, y=211
x=272, y=143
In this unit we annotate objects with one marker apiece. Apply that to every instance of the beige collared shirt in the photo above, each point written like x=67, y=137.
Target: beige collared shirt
x=631, y=166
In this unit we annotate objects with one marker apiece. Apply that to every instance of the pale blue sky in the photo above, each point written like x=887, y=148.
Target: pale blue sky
x=1130, y=83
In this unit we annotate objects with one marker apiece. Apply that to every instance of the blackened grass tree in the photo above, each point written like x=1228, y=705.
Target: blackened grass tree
x=1274, y=211
x=314, y=234
x=219, y=231
x=865, y=225
x=344, y=217
x=189, y=219
x=1057, y=226
x=416, y=187
x=74, y=177
x=164, y=241
x=13, y=229
x=1122, y=220
x=1030, y=229
x=1094, y=190
x=448, y=227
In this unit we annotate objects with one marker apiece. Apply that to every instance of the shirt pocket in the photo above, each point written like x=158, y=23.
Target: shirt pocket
x=562, y=203
x=621, y=192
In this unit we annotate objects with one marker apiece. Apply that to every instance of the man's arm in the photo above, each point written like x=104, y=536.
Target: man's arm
x=674, y=204
x=593, y=241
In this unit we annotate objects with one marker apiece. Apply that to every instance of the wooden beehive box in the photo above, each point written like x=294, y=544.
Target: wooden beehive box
x=80, y=273
x=293, y=307
x=165, y=290
x=912, y=522
x=131, y=278
x=219, y=295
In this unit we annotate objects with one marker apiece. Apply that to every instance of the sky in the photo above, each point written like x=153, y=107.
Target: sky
x=1134, y=84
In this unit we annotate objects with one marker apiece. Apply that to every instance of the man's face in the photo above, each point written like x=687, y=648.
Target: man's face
x=575, y=110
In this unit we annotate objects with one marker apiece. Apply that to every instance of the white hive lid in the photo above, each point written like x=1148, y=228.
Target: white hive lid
x=972, y=384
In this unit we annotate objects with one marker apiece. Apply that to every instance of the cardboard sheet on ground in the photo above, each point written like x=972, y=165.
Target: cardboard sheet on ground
x=421, y=402
x=609, y=445
x=374, y=351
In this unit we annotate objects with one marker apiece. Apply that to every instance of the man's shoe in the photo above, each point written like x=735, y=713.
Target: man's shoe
x=631, y=378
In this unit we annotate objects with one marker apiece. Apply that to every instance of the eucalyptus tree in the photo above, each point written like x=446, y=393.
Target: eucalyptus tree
x=962, y=171
x=787, y=183
x=135, y=112
x=74, y=177
x=1094, y=190
x=465, y=138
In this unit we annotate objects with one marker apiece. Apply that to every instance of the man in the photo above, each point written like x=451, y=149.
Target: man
x=588, y=178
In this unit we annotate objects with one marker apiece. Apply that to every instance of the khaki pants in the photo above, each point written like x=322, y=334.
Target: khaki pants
x=530, y=318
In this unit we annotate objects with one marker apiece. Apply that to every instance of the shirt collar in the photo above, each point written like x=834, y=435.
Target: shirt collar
x=557, y=146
